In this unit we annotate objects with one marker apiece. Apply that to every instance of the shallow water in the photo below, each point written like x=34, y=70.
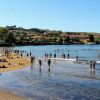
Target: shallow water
x=83, y=51
x=64, y=80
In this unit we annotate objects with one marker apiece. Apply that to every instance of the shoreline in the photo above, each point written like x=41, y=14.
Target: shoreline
x=47, y=44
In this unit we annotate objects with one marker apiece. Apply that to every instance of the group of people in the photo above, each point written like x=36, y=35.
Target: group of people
x=49, y=62
x=7, y=52
x=92, y=64
x=55, y=55
x=40, y=61
x=50, y=55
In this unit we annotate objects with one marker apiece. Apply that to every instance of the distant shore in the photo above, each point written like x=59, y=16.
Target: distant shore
x=30, y=44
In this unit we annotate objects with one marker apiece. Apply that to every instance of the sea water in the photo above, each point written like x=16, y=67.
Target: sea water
x=64, y=80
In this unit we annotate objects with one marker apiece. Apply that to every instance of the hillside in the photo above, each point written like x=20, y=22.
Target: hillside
x=13, y=35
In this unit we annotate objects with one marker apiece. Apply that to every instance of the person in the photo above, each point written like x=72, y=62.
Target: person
x=90, y=64
x=63, y=55
x=30, y=54
x=93, y=64
x=55, y=55
x=31, y=59
x=47, y=55
x=27, y=55
x=4, y=66
x=68, y=55
x=40, y=62
x=50, y=55
x=77, y=58
x=49, y=62
x=21, y=55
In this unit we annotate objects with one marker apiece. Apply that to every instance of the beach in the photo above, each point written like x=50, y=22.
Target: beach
x=63, y=80
x=14, y=63
x=6, y=95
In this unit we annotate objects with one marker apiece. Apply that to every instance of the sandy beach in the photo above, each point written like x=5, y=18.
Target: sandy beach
x=5, y=95
x=14, y=63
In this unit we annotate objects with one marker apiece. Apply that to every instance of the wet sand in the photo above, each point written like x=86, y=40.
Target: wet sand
x=13, y=63
x=5, y=95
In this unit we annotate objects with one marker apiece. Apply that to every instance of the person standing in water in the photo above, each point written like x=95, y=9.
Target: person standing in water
x=40, y=62
x=49, y=63
x=90, y=64
x=93, y=64
x=27, y=55
x=77, y=58
x=30, y=54
x=50, y=55
x=55, y=55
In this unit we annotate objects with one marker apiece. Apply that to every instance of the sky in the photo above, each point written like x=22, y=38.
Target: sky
x=65, y=15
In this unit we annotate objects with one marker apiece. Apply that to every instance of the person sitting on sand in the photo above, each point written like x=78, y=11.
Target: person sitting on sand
x=3, y=66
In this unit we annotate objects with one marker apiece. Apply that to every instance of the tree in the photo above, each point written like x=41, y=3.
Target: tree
x=60, y=40
x=67, y=39
x=3, y=33
x=91, y=37
x=10, y=39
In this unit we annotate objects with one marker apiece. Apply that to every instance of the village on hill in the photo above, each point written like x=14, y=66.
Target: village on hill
x=12, y=35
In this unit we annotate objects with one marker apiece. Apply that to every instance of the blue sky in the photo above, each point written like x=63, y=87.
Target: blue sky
x=65, y=15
